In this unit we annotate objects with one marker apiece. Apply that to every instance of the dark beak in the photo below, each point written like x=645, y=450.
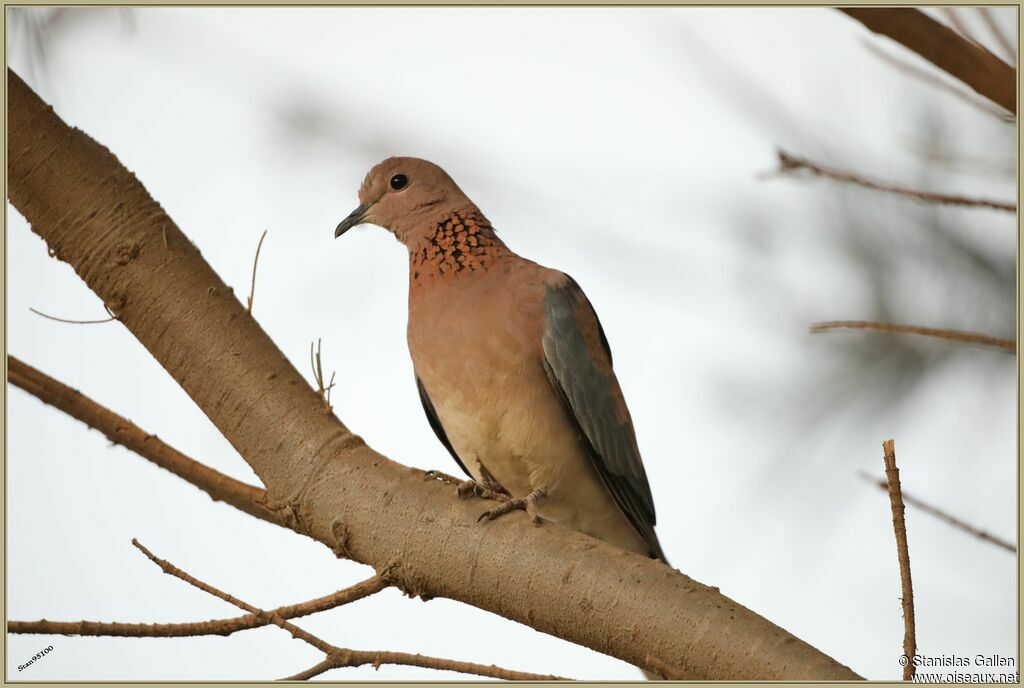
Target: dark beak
x=354, y=218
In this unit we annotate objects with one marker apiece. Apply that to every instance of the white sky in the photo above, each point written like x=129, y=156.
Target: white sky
x=619, y=145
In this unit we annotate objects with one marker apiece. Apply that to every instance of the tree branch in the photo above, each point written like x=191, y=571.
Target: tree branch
x=942, y=515
x=338, y=656
x=223, y=488
x=89, y=209
x=214, y=627
x=960, y=336
x=791, y=163
x=944, y=48
x=892, y=474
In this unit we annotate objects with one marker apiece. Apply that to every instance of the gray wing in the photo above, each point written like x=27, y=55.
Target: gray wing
x=578, y=362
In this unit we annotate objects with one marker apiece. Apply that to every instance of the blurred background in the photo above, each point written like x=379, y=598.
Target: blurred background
x=632, y=148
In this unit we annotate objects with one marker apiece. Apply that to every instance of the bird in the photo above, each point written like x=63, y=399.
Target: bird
x=512, y=365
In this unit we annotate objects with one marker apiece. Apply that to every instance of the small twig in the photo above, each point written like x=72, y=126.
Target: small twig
x=997, y=33
x=892, y=474
x=118, y=429
x=942, y=515
x=318, y=376
x=933, y=79
x=75, y=322
x=214, y=627
x=960, y=336
x=337, y=656
x=255, y=262
x=790, y=163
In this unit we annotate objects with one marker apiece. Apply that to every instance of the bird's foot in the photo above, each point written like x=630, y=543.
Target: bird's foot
x=442, y=477
x=527, y=504
x=470, y=488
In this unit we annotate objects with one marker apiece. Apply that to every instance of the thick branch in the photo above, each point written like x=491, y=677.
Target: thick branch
x=339, y=656
x=214, y=627
x=892, y=474
x=791, y=163
x=948, y=518
x=95, y=215
x=944, y=48
x=252, y=500
x=960, y=336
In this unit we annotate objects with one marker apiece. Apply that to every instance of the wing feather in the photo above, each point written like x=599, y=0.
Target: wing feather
x=581, y=372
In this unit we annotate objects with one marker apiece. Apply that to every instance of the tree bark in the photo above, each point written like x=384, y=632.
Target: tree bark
x=95, y=215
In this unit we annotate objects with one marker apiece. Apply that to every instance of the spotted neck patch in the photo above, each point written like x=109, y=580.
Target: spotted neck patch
x=461, y=242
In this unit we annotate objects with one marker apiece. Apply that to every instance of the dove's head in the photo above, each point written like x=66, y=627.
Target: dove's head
x=405, y=196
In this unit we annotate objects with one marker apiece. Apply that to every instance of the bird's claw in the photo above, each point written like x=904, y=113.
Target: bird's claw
x=527, y=504
x=468, y=488
x=441, y=476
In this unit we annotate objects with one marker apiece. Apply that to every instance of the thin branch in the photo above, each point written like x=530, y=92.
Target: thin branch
x=892, y=474
x=118, y=429
x=224, y=627
x=960, y=336
x=943, y=516
x=997, y=33
x=337, y=656
x=255, y=262
x=933, y=79
x=312, y=672
x=791, y=163
x=318, y=376
x=945, y=48
x=354, y=658
x=75, y=322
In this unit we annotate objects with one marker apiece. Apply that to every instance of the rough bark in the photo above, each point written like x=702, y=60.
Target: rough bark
x=944, y=48
x=95, y=215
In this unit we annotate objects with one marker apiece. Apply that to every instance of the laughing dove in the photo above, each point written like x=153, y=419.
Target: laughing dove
x=511, y=363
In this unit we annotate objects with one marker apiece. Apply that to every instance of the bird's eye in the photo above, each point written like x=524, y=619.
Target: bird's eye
x=399, y=181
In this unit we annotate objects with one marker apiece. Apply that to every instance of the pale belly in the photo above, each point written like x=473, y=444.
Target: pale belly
x=505, y=421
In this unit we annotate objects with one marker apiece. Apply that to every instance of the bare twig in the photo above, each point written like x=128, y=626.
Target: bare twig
x=354, y=658
x=998, y=34
x=942, y=515
x=892, y=474
x=255, y=262
x=337, y=656
x=318, y=376
x=791, y=163
x=960, y=336
x=75, y=322
x=214, y=627
x=933, y=79
x=252, y=500
x=945, y=48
